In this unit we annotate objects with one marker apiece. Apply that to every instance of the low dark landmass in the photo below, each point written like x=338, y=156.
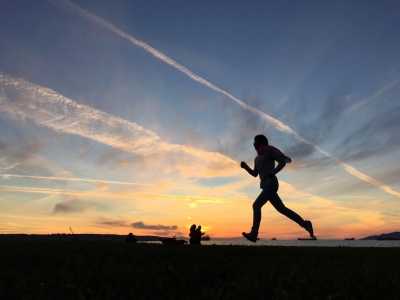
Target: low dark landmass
x=80, y=237
x=70, y=268
x=392, y=236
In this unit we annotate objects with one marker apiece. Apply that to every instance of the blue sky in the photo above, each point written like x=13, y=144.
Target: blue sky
x=329, y=71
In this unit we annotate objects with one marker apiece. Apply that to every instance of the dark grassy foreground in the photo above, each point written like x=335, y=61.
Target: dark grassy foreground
x=68, y=269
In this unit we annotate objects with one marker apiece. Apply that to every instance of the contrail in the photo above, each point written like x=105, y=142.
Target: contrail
x=78, y=179
x=36, y=190
x=387, y=87
x=8, y=167
x=106, y=195
x=276, y=123
x=169, y=61
x=50, y=109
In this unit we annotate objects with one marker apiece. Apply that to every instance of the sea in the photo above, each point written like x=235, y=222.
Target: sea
x=238, y=241
x=306, y=243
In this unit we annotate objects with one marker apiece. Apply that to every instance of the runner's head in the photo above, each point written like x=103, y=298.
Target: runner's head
x=260, y=143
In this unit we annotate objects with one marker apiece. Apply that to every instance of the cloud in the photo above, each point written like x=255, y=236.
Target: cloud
x=391, y=176
x=137, y=225
x=21, y=158
x=142, y=225
x=268, y=118
x=73, y=205
x=300, y=151
x=327, y=120
x=380, y=135
x=243, y=126
x=26, y=101
x=12, y=156
x=318, y=119
x=362, y=103
x=47, y=108
x=74, y=179
x=113, y=223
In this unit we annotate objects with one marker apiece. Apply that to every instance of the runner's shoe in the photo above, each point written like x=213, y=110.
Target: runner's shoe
x=250, y=236
x=309, y=227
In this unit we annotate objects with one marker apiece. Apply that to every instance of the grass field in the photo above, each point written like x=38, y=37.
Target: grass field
x=73, y=269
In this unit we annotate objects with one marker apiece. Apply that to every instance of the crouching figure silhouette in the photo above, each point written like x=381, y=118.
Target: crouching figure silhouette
x=195, y=235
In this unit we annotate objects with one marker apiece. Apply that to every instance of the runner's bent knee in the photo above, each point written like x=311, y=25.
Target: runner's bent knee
x=257, y=205
x=260, y=201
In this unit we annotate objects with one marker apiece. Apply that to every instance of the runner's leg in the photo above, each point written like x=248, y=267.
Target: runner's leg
x=257, y=205
x=280, y=207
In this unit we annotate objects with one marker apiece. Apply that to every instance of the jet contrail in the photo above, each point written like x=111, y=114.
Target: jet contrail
x=50, y=109
x=106, y=195
x=8, y=167
x=36, y=190
x=276, y=123
x=169, y=61
x=387, y=87
x=78, y=179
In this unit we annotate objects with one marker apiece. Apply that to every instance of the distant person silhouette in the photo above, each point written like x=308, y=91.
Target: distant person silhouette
x=195, y=235
x=264, y=166
x=131, y=238
x=199, y=232
x=192, y=234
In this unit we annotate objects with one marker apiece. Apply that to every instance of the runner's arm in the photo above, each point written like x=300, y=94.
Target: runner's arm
x=249, y=170
x=281, y=158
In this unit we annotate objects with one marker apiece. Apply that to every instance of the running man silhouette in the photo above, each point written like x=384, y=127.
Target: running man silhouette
x=264, y=166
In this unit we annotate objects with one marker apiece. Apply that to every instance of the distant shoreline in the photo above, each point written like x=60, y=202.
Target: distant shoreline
x=389, y=237
x=120, y=239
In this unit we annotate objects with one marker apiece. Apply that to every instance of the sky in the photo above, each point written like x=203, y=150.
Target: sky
x=133, y=116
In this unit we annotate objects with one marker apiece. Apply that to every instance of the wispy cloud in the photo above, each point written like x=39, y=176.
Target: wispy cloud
x=137, y=225
x=5, y=166
x=11, y=157
x=198, y=196
x=77, y=179
x=113, y=223
x=170, y=61
x=73, y=206
x=364, y=177
x=275, y=122
x=379, y=136
x=50, y=109
x=40, y=190
x=142, y=225
x=360, y=104
x=347, y=215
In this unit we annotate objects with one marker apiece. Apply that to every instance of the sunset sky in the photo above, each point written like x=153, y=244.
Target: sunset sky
x=133, y=116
